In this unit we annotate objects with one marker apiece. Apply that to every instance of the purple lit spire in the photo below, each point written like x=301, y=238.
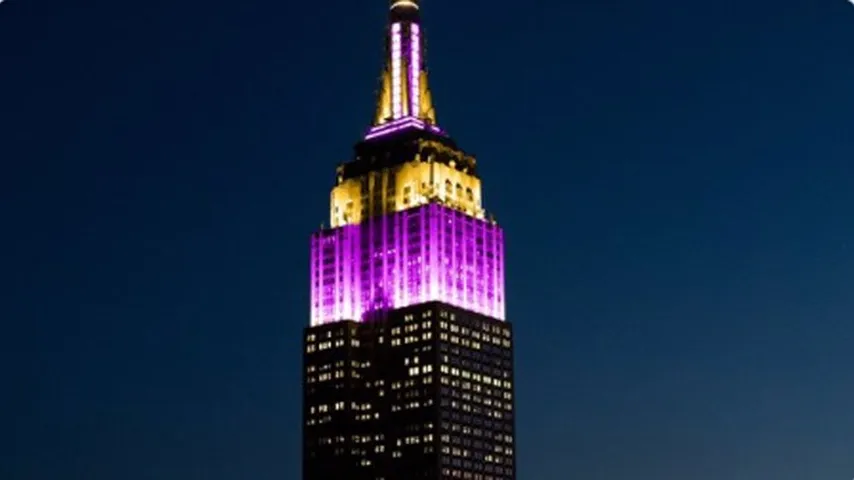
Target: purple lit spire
x=404, y=93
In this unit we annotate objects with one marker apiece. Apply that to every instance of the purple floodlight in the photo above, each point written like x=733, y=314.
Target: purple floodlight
x=401, y=124
x=426, y=253
x=394, y=126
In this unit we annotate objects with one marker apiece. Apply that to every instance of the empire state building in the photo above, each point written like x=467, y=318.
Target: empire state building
x=408, y=358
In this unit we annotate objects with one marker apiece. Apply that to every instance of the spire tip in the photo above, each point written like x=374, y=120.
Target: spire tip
x=404, y=4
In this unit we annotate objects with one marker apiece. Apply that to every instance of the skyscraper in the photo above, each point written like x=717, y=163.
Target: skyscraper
x=408, y=360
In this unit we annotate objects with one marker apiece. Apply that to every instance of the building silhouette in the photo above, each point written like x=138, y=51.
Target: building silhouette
x=408, y=359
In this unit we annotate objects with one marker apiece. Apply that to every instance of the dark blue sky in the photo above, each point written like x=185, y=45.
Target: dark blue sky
x=674, y=178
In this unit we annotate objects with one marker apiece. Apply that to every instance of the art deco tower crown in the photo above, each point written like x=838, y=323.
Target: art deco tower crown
x=406, y=214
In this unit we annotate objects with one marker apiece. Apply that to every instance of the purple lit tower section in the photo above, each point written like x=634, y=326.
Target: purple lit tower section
x=413, y=256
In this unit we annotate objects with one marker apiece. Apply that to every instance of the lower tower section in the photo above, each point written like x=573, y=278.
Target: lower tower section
x=420, y=392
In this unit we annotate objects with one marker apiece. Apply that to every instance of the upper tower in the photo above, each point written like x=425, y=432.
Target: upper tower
x=407, y=224
x=404, y=160
x=404, y=100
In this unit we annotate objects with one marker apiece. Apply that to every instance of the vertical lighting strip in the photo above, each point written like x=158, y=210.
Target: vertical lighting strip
x=316, y=279
x=415, y=69
x=396, y=101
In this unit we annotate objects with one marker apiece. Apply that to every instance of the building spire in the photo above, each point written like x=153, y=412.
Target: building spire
x=404, y=99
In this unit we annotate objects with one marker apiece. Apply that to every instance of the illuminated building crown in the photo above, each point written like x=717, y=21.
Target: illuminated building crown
x=407, y=222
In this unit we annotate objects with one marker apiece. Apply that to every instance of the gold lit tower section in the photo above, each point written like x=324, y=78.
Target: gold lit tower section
x=404, y=104
x=408, y=361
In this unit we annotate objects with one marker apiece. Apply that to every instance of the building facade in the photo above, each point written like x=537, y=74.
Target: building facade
x=408, y=359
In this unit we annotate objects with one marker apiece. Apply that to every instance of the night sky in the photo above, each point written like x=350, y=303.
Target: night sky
x=674, y=179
